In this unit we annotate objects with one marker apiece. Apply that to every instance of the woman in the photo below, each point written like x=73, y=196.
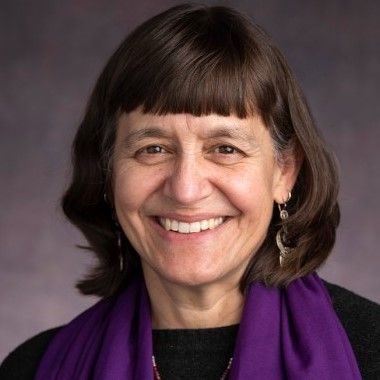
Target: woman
x=209, y=199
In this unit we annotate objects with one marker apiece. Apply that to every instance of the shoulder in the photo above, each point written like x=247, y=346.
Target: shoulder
x=361, y=319
x=354, y=310
x=23, y=361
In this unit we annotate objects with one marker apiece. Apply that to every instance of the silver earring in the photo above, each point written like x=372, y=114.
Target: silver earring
x=282, y=232
x=120, y=250
x=118, y=235
x=118, y=232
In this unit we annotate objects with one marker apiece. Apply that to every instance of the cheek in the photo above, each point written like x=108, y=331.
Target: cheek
x=127, y=197
x=250, y=193
x=133, y=186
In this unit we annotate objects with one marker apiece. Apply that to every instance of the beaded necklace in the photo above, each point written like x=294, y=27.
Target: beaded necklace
x=158, y=377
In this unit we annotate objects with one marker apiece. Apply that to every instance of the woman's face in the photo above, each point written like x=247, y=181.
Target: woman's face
x=194, y=195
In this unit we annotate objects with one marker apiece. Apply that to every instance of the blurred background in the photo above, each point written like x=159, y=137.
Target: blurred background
x=51, y=53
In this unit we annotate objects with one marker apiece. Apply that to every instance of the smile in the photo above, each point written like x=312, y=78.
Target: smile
x=188, y=228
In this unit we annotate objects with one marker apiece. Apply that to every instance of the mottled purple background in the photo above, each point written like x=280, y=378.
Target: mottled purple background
x=51, y=54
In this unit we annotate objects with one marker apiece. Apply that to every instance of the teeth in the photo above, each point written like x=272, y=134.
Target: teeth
x=195, y=227
x=186, y=228
x=173, y=225
x=183, y=228
x=204, y=225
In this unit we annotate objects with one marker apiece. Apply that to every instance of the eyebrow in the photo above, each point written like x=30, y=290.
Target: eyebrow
x=231, y=133
x=136, y=136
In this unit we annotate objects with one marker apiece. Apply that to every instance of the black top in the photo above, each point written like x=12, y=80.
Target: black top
x=206, y=352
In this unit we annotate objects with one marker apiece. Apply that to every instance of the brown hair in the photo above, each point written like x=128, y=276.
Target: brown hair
x=200, y=60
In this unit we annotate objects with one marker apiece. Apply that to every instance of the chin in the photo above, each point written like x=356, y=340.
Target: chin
x=191, y=277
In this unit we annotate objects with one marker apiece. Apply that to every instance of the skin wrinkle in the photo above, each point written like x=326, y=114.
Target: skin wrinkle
x=135, y=137
x=198, y=315
x=188, y=281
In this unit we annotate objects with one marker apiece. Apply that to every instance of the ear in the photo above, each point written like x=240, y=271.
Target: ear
x=286, y=172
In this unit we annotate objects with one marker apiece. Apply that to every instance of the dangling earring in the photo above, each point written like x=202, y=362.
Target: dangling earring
x=121, y=256
x=118, y=234
x=282, y=232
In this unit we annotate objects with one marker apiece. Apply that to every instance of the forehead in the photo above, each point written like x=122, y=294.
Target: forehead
x=137, y=124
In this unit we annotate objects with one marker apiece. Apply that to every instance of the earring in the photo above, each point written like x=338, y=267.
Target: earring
x=118, y=234
x=120, y=250
x=282, y=232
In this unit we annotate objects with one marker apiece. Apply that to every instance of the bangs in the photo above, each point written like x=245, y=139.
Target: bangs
x=216, y=86
x=202, y=66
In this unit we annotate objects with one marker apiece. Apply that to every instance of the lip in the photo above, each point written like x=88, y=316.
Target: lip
x=190, y=218
x=172, y=236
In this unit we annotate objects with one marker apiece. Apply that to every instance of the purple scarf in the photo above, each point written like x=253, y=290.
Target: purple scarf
x=290, y=333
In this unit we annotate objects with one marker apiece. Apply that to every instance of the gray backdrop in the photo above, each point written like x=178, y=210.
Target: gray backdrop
x=51, y=54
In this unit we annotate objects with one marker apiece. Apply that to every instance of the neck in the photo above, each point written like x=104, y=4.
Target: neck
x=176, y=306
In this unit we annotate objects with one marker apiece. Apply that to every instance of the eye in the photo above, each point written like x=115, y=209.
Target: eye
x=226, y=154
x=226, y=149
x=153, y=149
x=152, y=154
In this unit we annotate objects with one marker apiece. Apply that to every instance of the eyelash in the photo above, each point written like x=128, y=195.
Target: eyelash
x=145, y=150
x=221, y=153
x=230, y=149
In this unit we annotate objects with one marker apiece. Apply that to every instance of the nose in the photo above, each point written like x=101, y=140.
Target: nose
x=188, y=181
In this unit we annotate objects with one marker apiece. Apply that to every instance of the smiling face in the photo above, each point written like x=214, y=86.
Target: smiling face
x=194, y=195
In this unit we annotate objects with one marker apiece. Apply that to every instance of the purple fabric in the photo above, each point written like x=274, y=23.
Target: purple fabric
x=111, y=340
x=290, y=333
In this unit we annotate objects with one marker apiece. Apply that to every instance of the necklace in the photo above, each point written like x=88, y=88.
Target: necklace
x=157, y=376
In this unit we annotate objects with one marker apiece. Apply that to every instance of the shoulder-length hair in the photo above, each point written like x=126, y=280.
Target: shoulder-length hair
x=200, y=60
